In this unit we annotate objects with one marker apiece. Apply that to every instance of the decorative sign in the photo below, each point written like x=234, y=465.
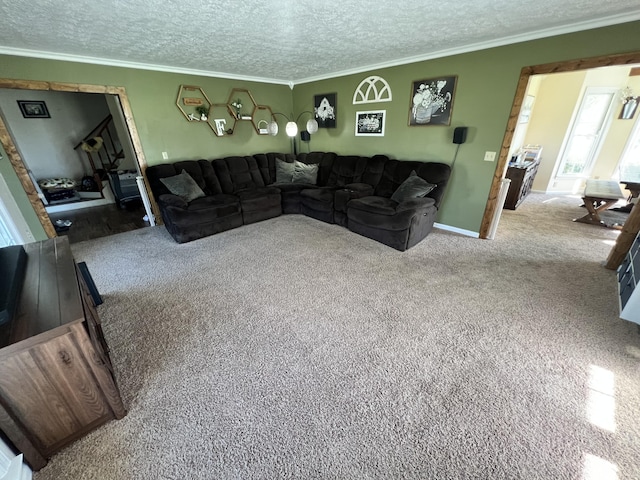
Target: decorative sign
x=191, y=101
x=372, y=90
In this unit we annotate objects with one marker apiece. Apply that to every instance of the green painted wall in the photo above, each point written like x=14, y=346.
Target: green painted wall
x=486, y=87
x=485, y=90
x=161, y=126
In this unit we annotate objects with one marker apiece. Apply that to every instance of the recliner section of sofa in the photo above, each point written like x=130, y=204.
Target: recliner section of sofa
x=352, y=191
x=399, y=225
x=213, y=213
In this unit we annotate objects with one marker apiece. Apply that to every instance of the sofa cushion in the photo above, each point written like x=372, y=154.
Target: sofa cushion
x=284, y=171
x=183, y=186
x=324, y=160
x=413, y=187
x=348, y=193
x=305, y=173
x=238, y=173
x=320, y=199
x=259, y=198
x=377, y=205
x=202, y=210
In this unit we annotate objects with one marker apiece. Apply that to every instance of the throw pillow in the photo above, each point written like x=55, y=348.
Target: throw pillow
x=284, y=171
x=184, y=186
x=413, y=187
x=305, y=173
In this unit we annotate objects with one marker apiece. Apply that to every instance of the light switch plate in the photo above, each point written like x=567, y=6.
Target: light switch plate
x=489, y=156
x=165, y=156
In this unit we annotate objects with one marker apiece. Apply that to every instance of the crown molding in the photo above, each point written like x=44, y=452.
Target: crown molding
x=21, y=52
x=499, y=42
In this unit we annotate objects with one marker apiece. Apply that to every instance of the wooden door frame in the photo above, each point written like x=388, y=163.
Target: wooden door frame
x=501, y=167
x=15, y=158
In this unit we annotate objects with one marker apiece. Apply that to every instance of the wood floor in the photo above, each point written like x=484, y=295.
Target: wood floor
x=102, y=221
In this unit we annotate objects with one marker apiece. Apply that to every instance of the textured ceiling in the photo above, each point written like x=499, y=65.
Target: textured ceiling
x=285, y=41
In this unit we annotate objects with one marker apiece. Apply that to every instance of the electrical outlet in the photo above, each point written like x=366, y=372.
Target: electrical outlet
x=165, y=156
x=489, y=156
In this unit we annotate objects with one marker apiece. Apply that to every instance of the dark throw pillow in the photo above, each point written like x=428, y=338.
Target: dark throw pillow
x=184, y=186
x=413, y=187
x=284, y=171
x=305, y=173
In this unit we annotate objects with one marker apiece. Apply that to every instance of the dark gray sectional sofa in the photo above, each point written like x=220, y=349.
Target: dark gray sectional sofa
x=352, y=191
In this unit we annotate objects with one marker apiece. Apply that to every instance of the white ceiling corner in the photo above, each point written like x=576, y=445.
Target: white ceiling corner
x=285, y=41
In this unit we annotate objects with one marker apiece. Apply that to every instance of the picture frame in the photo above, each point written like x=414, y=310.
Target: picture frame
x=370, y=123
x=325, y=109
x=33, y=109
x=431, y=101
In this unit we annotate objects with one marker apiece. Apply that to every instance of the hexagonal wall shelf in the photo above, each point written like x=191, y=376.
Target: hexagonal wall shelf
x=221, y=119
x=190, y=97
x=261, y=116
x=241, y=103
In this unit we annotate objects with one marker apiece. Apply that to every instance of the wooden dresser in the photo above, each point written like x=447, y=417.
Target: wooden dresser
x=522, y=177
x=56, y=378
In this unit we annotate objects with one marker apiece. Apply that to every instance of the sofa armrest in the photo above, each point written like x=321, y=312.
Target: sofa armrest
x=416, y=204
x=171, y=200
x=362, y=189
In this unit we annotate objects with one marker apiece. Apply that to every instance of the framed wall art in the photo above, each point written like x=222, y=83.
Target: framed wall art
x=33, y=109
x=325, y=109
x=371, y=123
x=432, y=101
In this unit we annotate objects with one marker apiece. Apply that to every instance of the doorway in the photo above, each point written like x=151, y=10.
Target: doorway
x=626, y=237
x=9, y=143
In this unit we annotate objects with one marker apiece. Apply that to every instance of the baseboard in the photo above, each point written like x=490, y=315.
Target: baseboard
x=461, y=231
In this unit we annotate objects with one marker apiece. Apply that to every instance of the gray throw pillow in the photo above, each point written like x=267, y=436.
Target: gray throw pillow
x=305, y=173
x=284, y=171
x=184, y=186
x=413, y=187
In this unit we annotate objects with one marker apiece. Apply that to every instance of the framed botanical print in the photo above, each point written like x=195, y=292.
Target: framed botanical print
x=325, y=109
x=432, y=101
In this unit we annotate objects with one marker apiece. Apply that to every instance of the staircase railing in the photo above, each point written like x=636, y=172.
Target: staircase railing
x=102, y=147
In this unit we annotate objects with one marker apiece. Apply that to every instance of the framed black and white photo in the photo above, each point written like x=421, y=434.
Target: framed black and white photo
x=371, y=123
x=33, y=109
x=432, y=101
x=325, y=109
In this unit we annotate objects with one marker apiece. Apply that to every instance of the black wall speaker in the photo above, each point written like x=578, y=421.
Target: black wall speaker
x=305, y=136
x=460, y=135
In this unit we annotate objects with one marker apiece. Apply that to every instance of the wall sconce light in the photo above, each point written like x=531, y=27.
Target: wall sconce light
x=629, y=104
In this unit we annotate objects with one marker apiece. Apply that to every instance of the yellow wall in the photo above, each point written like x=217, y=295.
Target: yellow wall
x=555, y=102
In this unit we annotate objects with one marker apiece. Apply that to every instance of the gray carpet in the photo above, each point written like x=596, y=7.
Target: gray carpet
x=296, y=349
